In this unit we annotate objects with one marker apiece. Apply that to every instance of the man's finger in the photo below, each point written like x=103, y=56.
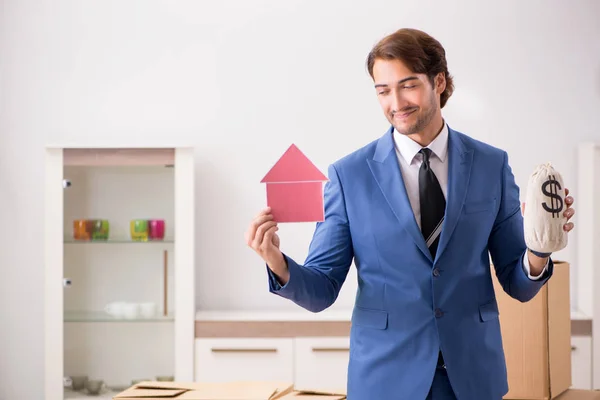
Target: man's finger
x=569, y=200
x=264, y=211
x=569, y=212
x=258, y=221
x=264, y=244
x=260, y=232
x=268, y=237
x=261, y=219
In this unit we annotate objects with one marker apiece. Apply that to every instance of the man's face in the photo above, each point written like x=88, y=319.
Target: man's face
x=408, y=100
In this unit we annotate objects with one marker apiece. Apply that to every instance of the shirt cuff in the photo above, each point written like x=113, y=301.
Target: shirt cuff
x=528, y=270
x=274, y=282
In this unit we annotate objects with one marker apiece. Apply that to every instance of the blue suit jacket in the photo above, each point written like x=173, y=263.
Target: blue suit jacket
x=408, y=305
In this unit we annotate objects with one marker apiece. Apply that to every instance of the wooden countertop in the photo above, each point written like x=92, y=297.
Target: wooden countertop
x=289, y=316
x=269, y=323
x=298, y=323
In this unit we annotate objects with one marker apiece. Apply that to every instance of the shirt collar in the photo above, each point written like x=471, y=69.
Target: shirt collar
x=408, y=148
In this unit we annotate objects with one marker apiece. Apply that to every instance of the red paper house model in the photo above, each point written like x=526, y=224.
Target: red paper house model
x=295, y=188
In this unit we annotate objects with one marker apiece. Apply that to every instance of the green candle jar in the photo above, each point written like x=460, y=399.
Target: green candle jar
x=100, y=229
x=139, y=230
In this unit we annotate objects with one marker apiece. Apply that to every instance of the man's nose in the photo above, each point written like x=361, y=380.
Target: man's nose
x=398, y=101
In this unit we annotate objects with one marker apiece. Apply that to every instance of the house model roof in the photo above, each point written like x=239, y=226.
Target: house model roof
x=293, y=166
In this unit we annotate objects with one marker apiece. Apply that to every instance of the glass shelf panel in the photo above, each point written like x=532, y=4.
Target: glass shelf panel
x=101, y=316
x=116, y=241
x=104, y=395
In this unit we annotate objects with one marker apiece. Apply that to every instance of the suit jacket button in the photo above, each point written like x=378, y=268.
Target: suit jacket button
x=438, y=313
x=436, y=272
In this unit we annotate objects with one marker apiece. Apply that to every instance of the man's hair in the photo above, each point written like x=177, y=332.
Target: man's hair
x=421, y=53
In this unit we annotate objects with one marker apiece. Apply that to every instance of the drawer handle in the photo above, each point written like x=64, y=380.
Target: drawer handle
x=229, y=350
x=330, y=349
x=573, y=348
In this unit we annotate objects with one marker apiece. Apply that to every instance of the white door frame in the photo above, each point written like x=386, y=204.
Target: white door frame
x=588, y=244
x=53, y=271
x=184, y=271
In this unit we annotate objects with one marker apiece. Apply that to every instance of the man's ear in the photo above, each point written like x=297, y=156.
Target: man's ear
x=440, y=83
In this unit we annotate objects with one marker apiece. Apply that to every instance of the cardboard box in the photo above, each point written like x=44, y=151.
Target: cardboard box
x=536, y=336
x=310, y=395
x=573, y=394
x=238, y=390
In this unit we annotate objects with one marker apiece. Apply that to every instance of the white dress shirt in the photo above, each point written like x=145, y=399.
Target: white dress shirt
x=410, y=160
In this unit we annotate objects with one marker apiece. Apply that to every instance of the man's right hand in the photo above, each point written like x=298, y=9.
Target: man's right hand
x=261, y=236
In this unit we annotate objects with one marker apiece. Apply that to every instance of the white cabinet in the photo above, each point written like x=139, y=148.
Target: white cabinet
x=226, y=359
x=321, y=363
x=310, y=362
x=581, y=362
x=119, y=282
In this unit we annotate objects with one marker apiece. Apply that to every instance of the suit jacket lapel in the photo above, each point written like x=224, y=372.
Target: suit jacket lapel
x=460, y=159
x=386, y=171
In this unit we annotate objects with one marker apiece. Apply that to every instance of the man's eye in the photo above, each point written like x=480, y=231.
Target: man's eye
x=409, y=86
x=383, y=93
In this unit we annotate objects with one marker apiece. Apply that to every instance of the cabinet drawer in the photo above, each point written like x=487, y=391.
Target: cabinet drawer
x=322, y=362
x=581, y=362
x=226, y=359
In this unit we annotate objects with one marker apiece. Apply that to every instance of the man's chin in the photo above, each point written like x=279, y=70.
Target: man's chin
x=404, y=129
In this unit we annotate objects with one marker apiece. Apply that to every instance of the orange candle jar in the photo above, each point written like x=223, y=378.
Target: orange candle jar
x=82, y=229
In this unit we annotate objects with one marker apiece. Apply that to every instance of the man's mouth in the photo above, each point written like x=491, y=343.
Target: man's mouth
x=404, y=114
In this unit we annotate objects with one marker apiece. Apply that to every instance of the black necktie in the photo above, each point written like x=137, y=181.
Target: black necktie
x=433, y=203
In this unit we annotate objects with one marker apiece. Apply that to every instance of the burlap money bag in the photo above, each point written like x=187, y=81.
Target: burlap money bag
x=543, y=218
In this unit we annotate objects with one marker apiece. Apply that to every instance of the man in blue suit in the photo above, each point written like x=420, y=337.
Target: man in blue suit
x=418, y=211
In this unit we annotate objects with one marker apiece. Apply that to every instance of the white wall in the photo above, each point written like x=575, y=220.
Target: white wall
x=241, y=80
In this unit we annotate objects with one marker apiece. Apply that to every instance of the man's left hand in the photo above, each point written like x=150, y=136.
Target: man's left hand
x=568, y=213
x=536, y=264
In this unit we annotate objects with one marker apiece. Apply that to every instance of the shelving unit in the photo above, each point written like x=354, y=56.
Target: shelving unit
x=91, y=326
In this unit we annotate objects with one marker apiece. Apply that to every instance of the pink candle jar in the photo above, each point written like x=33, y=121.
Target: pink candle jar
x=156, y=229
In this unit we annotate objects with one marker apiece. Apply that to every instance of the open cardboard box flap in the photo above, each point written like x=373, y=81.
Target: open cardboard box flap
x=576, y=394
x=239, y=390
x=320, y=392
x=236, y=390
x=311, y=395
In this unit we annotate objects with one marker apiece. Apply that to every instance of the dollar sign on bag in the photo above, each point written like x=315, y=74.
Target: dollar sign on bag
x=556, y=203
